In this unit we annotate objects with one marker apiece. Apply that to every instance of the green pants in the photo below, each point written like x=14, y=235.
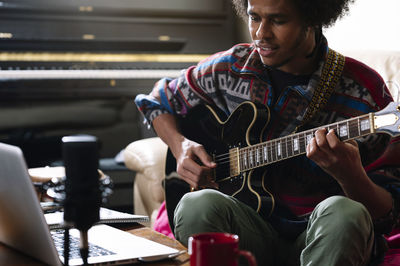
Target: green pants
x=339, y=232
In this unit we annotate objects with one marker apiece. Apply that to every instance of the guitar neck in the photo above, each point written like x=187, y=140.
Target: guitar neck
x=272, y=151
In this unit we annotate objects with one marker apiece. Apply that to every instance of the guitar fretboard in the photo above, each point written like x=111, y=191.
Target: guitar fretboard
x=293, y=145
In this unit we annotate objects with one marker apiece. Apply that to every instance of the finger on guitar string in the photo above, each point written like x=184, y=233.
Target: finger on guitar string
x=194, y=166
x=314, y=151
x=333, y=140
x=196, y=175
x=204, y=157
x=321, y=140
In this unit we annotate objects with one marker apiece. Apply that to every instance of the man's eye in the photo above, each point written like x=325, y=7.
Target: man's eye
x=253, y=18
x=279, y=22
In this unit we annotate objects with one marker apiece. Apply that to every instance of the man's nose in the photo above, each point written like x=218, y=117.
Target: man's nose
x=264, y=30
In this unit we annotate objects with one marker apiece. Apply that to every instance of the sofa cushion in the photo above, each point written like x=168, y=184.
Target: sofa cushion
x=147, y=154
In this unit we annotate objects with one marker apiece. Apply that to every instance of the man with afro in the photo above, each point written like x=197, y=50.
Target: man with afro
x=315, y=204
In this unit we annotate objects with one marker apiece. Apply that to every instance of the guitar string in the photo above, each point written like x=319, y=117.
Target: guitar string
x=226, y=158
x=334, y=126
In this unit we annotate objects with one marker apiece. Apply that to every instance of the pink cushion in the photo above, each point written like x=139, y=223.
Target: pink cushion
x=394, y=239
x=392, y=258
x=161, y=223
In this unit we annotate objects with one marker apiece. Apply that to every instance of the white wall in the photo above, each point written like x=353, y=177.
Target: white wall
x=370, y=24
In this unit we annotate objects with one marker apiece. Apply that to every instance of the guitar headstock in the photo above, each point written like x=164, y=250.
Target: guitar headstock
x=388, y=119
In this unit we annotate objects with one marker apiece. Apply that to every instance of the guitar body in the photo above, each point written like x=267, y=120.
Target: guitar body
x=218, y=134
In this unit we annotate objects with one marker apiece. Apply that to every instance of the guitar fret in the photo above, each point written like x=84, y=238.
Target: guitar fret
x=258, y=156
x=245, y=159
x=273, y=152
x=265, y=153
x=251, y=161
x=278, y=150
x=332, y=127
x=250, y=158
x=289, y=146
x=353, y=129
x=343, y=131
x=241, y=161
x=296, y=144
x=271, y=159
x=255, y=152
x=302, y=143
x=365, y=126
x=240, y=165
x=309, y=137
x=255, y=156
x=284, y=148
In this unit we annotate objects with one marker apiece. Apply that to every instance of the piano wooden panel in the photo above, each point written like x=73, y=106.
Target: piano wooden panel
x=176, y=26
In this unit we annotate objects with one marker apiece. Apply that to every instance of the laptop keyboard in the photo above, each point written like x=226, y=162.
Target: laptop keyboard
x=74, y=253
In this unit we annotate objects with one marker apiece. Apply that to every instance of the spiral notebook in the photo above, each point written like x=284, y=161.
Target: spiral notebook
x=107, y=216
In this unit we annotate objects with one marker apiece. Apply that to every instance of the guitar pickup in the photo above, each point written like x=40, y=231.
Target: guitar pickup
x=234, y=165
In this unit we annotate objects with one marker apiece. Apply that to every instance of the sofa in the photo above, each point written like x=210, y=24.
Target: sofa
x=147, y=156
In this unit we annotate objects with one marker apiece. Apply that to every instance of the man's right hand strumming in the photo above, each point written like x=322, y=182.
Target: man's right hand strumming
x=194, y=164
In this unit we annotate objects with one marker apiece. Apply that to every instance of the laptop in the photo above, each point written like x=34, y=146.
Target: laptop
x=23, y=225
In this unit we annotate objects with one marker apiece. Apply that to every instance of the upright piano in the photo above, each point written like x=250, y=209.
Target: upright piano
x=72, y=67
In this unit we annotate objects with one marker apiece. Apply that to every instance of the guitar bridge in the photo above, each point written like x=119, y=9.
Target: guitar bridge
x=234, y=166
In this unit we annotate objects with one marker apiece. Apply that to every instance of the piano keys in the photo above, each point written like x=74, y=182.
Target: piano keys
x=80, y=75
x=8, y=75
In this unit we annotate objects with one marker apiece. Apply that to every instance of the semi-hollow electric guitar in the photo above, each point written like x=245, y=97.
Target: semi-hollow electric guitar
x=237, y=147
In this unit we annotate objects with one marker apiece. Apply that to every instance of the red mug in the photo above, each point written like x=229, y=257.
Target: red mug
x=217, y=249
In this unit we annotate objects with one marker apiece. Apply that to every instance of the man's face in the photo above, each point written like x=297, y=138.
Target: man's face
x=279, y=34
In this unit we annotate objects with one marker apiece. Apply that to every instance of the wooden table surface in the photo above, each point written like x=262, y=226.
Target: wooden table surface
x=146, y=232
x=9, y=256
